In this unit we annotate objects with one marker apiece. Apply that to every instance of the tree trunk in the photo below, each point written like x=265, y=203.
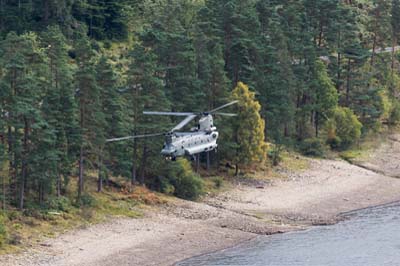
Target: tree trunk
x=208, y=160
x=143, y=165
x=3, y=179
x=58, y=185
x=80, y=179
x=24, y=165
x=316, y=124
x=348, y=84
x=197, y=156
x=236, y=169
x=373, y=51
x=133, y=174
x=393, y=53
x=100, y=174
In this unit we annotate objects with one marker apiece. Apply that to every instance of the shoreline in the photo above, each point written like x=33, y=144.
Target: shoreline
x=178, y=229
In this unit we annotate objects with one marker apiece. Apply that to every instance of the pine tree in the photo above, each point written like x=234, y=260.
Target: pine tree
x=24, y=77
x=91, y=117
x=248, y=128
x=113, y=106
x=174, y=48
x=326, y=98
x=274, y=77
x=395, y=23
x=147, y=93
x=59, y=107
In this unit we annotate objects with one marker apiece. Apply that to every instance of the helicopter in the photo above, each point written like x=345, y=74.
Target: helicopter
x=202, y=138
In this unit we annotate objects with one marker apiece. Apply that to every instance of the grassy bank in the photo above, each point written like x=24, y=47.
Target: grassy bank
x=25, y=229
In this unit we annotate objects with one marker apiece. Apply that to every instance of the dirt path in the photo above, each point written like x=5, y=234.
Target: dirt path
x=184, y=229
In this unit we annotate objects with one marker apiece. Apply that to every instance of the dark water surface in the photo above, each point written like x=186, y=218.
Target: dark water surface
x=371, y=237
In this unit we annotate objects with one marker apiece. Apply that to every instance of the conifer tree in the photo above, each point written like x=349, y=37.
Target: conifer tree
x=147, y=93
x=59, y=106
x=91, y=117
x=24, y=77
x=326, y=98
x=112, y=106
x=248, y=128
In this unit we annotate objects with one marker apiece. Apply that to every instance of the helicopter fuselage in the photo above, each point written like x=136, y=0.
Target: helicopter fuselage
x=189, y=143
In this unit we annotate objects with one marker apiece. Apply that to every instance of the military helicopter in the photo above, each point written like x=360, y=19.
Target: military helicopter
x=202, y=138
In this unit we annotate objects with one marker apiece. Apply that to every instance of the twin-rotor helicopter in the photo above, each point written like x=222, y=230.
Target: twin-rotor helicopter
x=202, y=138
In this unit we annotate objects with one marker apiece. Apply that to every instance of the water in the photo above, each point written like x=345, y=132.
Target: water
x=370, y=237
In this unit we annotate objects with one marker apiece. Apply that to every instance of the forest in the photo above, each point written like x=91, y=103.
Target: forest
x=309, y=75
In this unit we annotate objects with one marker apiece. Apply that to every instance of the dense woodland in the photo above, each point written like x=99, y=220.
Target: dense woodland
x=76, y=72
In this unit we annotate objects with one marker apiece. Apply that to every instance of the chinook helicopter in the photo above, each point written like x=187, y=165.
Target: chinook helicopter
x=202, y=138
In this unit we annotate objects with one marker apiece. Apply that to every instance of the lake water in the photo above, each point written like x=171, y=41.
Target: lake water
x=370, y=237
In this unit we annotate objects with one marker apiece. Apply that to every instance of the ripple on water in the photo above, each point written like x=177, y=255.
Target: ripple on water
x=371, y=237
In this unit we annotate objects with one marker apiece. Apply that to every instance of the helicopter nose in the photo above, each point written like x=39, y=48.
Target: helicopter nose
x=168, y=150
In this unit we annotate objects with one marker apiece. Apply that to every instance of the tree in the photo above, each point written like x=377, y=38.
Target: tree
x=112, y=107
x=249, y=128
x=91, y=117
x=343, y=128
x=23, y=82
x=147, y=93
x=326, y=98
x=59, y=106
x=395, y=23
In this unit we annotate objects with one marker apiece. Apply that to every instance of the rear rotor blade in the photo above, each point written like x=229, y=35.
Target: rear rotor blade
x=225, y=114
x=167, y=113
x=184, y=122
x=223, y=106
x=135, y=137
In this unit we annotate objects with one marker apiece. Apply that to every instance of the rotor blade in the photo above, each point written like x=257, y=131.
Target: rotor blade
x=223, y=106
x=225, y=114
x=167, y=113
x=184, y=122
x=135, y=137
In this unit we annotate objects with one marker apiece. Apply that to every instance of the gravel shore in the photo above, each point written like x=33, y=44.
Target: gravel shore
x=181, y=229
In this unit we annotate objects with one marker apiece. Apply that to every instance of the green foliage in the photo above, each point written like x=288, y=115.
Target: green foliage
x=62, y=94
x=3, y=231
x=86, y=200
x=343, y=128
x=249, y=127
x=218, y=181
x=59, y=204
x=394, y=116
x=186, y=183
x=312, y=147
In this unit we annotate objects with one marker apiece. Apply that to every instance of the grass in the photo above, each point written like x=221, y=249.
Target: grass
x=365, y=147
x=26, y=228
x=294, y=161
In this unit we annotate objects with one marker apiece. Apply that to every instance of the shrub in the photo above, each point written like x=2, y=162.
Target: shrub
x=218, y=181
x=165, y=186
x=394, y=117
x=87, y=200
x=59, y=204
x=274, y=154
x=186, y=183
x=343, y=128
x=312, y=147
x=3, y=231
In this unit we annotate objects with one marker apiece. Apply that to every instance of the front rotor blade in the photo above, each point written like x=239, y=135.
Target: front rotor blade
x=135, y=137
x=167, y=113
x=223, y=106
x=225, y=114
x=184, y=122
